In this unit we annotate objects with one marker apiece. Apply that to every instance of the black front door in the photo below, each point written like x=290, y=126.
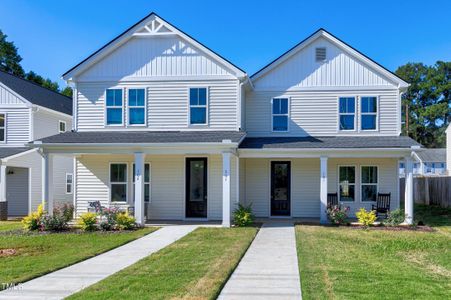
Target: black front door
x=280, y=188
x=196, y=187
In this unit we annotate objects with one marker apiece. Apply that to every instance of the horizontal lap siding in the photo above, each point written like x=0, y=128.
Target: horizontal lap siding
x=388, y=179
x=167, y=104
x=316, y=113
x=17, y=126
x=305, y=188
x=167, y=183
x=47, y=123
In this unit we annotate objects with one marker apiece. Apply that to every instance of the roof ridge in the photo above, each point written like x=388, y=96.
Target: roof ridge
x=36, y=84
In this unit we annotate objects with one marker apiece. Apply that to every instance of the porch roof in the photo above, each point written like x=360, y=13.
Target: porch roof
x=333, y=142
x=10, y=151
x=142, y=137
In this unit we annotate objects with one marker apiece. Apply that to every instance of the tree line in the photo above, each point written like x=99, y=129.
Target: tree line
x=426, y=103
x=10, y=63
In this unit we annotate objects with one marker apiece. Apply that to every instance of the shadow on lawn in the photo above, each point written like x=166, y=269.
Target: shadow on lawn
x=434, y=216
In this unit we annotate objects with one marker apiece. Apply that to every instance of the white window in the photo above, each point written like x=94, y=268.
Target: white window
x=146, y=182
x=280, y=109
x=118, y=182
x=368, y=113
x=347, y=183
x=61, y=126
x=113, y=104
x=2, y=128
x=369, y=183
x=347, y=113
x=69, y=183
x=198, y=103
x=136, y=107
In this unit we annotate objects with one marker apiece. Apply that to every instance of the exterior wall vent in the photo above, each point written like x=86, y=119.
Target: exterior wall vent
x=320, y=54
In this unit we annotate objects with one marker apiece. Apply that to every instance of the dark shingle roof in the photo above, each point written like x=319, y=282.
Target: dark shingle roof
x=8, y=151
x=328, y=142
x=37, y=94
x=433, y=155
x=143, y=137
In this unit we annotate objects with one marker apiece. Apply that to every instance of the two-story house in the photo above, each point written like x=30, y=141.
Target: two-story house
x=167, y=126
x=29, y=112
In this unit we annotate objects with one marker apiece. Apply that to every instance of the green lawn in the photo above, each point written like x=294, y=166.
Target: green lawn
x=345, y=263
x=195, y=267
x=10, y=225
x=38, y=254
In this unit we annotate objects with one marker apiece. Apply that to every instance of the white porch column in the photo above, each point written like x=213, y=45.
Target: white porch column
x=139, y=188
x=47, y=178
x=226, y=189
x=323, y=189
x=408, y=197
x=2, y=183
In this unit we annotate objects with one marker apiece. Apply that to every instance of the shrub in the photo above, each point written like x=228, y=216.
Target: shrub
x=125, y=221
x=338, y=215
x=395, y=217
x=367, y=218
x=242, y=216
x=62, y=214
x=108, y=217
x=34, y=220
x=88, y=221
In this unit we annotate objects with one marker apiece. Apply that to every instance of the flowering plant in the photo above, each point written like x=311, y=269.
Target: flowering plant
x=338, y=215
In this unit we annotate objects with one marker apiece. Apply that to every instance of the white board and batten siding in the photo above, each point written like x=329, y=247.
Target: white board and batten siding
x=305, y=184
x=167, y=184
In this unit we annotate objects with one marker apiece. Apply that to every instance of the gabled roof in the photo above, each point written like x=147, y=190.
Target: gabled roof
x=142, y=137
x=141, y=28
x=36, y=94
x=331, y=142
x=433, y=155
x=339, y=43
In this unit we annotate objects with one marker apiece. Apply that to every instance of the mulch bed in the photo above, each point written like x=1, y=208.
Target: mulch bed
x=395, y=228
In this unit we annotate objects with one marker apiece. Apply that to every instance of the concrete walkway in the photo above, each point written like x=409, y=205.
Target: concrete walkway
x=72, y=279
x=269, y=269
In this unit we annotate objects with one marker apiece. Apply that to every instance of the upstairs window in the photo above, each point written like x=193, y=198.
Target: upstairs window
x=2, y=128
x=369, y=183
x=369, y=113
x=347, y=183
x=347, y=113
x=118, y=182
x=198, y=106
x=114, y=110
x=136, y=107
x=280, y=114
x=61, y=126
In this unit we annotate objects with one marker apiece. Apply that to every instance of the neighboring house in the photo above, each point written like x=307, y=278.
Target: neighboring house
x=429, y=162
x=29, y=112
x=167, y=126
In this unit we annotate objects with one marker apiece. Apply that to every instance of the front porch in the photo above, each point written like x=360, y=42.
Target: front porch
x=158, y=188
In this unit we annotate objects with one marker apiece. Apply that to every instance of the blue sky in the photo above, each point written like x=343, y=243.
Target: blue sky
x=53, y=36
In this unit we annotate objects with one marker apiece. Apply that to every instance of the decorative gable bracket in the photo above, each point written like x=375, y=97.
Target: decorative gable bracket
x=153, y=28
